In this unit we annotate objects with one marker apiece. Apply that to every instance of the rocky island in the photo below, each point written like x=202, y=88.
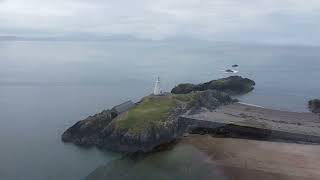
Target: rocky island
x=154, y=121
x=206, y=108
x=233, y=85
x=314, y=105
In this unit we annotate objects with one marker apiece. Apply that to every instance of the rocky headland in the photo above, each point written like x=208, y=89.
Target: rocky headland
x=233, y=85
x=153, y=122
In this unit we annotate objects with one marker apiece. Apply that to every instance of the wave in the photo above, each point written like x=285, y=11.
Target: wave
x=233, y=71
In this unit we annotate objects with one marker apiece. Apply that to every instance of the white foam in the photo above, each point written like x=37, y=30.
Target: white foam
x=233, y=71
x=250, y=104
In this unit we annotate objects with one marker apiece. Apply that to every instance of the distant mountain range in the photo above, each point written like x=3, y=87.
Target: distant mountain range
x=71, y=38
x=126, y=38
x=90, y=37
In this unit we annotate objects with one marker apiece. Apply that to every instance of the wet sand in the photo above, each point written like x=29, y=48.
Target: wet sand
x=202, y=157
x=243, y=159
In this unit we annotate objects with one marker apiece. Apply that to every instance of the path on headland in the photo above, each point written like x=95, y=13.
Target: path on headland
x=251, y=120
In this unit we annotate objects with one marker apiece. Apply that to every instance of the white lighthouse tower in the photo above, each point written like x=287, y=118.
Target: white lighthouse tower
x=157, y=90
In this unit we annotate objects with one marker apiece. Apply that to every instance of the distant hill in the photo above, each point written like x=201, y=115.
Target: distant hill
x=79, y=37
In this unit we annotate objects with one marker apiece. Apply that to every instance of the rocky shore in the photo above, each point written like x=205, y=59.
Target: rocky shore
x=153, y=121
x=314, y=105
x=233, y=85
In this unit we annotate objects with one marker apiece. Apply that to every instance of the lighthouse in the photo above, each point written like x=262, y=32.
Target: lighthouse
x=157, y=90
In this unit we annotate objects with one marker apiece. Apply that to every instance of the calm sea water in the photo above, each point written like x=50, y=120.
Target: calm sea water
x=45, y=87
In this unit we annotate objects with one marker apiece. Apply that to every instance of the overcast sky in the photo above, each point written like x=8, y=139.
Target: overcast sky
x=278, y=21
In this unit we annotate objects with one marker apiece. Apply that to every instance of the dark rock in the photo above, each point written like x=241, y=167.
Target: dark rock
x=233, y=85
x=87, y=131
x=184, y=88
x=314, y=105
x=148, y=140
x=235, y=65
x=230, y=71
x=210, y=100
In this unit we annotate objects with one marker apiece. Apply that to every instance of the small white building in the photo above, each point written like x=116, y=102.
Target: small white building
x=157, y=89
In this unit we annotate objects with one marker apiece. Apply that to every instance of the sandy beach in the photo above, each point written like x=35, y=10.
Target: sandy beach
x=250, y=159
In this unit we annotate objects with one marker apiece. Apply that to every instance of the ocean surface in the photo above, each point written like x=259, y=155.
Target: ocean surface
x=45, y=87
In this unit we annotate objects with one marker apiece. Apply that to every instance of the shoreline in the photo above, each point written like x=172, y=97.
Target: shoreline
x=263, y=159
x=206, y=157
x=253, y=105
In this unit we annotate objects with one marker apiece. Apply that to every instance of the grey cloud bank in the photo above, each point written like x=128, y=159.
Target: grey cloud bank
x=272, y=21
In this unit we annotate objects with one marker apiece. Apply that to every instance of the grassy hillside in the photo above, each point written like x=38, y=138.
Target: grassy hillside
x=150, y=112
x=153, y=110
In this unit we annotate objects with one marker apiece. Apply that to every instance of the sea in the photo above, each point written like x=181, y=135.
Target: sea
x=47, y=86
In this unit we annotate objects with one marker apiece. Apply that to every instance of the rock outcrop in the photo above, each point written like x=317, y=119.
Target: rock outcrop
x=314, y=105
x=229, y=71
x=233, y=85
x=210, y=100
x=87, y=132
x=149, y=139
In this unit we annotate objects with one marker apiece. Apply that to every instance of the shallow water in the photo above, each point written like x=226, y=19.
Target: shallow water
x=204, y=158
x=45, y=87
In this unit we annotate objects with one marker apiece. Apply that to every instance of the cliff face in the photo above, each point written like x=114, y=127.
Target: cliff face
x=87, y=132
x=233, y=85
x=150, y=124
x=123, y=140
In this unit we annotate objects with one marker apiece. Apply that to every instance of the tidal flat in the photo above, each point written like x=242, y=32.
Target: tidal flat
x=204, y=157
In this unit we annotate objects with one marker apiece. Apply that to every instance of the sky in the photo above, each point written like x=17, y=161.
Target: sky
x=273, y=21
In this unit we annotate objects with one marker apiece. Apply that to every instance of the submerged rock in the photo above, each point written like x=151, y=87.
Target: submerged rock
x=230, y=71
x=233, y=85
x=314, y=105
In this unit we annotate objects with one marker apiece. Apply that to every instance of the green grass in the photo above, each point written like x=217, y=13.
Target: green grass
x=153, y=110
x=220, y=82
x=190, y=98
x=150, y=112
x=185, y=97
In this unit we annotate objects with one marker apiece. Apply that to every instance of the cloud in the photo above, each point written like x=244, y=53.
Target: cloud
x=272, y=20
